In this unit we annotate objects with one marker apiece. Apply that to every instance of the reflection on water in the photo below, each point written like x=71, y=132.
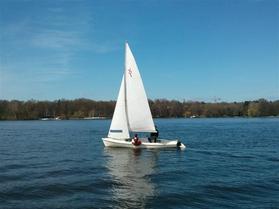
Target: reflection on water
x=131, y=170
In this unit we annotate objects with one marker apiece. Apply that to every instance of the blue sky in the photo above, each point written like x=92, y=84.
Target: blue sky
x=194, y=50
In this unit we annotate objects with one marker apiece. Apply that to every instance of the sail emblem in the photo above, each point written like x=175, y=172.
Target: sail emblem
x=130, y=72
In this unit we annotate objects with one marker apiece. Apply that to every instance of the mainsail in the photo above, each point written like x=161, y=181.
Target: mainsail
x=138, y=111
x=132, y=112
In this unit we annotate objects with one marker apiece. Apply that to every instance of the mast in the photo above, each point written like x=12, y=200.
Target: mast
x=125, y=86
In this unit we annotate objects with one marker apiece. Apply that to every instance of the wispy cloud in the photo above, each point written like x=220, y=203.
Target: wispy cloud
x=57, y=39
x=44, y=45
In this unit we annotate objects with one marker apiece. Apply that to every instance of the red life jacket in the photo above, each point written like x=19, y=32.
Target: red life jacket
x=136, y=142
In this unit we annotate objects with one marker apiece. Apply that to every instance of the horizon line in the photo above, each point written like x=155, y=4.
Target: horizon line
x=217, y=100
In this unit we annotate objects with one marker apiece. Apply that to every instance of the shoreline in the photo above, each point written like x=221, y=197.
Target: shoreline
x=160, y=118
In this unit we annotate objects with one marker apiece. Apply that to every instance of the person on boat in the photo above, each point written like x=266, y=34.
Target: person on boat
x=154, y=135
x=136, y=141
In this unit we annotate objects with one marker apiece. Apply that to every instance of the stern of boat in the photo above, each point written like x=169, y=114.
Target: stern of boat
x=180, y=145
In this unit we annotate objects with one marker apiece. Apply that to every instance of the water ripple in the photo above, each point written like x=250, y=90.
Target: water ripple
x=228, y=163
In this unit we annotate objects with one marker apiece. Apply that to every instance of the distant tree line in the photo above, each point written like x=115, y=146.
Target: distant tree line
x=163, y=108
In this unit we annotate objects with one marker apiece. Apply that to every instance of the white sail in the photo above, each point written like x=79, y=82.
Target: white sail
x=137, y=107
x=119, y=125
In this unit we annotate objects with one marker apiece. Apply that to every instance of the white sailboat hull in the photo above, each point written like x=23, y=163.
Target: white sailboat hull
x=162, y=143
x=132, y=112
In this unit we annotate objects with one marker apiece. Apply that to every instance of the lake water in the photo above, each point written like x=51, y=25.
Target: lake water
x=228, y=163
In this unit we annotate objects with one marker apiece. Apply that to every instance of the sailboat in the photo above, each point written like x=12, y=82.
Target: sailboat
x=132, y=112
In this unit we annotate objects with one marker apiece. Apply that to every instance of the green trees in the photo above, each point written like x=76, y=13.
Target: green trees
x=262, y=107
x=81, y=108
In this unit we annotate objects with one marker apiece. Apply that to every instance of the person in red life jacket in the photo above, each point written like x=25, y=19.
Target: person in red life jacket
x=136, y=141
